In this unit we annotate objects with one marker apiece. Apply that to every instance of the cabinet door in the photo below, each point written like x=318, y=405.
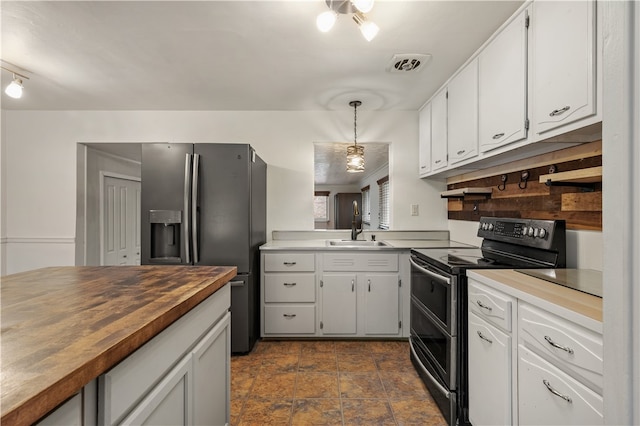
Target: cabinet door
x=338, y=298
x=425, y=140
x=462, y=114
x=563, y=62
x=489, y=373
x=502, y=88
x=381, y=304
x=169, y=403
x=212, y=375
x=548, y=396
x=439, y=131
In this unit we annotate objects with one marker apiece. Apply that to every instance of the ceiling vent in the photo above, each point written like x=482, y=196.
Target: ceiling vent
x=408, y=62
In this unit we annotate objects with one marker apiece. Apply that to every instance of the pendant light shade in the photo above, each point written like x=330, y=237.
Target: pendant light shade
x=355, y=152
x=326, y=20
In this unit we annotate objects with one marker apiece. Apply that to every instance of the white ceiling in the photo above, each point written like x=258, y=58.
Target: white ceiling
x=233, y=55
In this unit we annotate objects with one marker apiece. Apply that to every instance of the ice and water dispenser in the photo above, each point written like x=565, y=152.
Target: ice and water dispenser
x=165, y=235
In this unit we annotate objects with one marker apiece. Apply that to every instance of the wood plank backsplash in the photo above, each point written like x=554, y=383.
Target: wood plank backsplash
x=580, y=207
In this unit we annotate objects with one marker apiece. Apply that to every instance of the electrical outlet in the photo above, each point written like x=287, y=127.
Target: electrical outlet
x=414, y=210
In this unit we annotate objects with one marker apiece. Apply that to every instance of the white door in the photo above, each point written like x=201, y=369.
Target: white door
x=338, y=297
x=381, y=300
x=121, y=222
x=462, y=114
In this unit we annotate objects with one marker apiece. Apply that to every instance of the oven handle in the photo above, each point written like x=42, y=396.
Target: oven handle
x=431, y=274
x=435, y=381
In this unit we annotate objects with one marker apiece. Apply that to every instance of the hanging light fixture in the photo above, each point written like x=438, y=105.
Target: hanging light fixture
x=355, y=152
x=14, y=89
x=358, y=8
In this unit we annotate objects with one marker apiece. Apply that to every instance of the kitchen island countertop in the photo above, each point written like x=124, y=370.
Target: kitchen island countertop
x=64, y=326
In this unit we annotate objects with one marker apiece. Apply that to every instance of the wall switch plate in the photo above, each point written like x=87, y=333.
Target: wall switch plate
x=414, y=210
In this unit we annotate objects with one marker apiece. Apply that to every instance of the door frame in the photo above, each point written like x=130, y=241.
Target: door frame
x=103, y=176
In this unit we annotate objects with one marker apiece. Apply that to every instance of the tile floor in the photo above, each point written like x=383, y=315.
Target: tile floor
x=329, y=383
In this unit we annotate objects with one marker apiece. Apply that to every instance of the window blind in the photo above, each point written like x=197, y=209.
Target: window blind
x=383, y=188
x=366, y=204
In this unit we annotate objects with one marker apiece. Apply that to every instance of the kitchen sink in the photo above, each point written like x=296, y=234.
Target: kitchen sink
x=355, y=243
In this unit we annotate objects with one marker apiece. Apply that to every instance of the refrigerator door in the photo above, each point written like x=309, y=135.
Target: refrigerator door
x=165, y=204
x=223, y=206
x=245, y=310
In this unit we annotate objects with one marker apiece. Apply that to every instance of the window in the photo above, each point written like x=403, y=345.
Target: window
x=366, y=205
x=383, y=188
x=321, y=206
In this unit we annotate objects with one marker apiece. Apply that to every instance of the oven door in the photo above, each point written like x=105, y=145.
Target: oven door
x=436, y=292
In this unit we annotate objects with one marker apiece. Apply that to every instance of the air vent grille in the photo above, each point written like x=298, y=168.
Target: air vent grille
x=403, y=63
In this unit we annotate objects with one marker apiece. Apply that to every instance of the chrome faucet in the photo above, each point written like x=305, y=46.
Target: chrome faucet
x=354, y=222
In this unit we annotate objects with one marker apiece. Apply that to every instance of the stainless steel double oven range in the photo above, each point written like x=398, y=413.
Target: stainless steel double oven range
x=438, y=337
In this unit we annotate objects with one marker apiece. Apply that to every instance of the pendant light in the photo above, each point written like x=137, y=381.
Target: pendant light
x=355, y=152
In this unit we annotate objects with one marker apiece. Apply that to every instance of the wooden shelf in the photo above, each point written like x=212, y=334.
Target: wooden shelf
x=462, y=192
x=578, y=177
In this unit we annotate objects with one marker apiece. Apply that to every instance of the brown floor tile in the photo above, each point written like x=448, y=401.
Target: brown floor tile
x=274, y=385
x=280, y=362
x=417, y=412
x=318, y=346
x=318, y=361
x=317, y=385
x=367, y=412
x=403, y=385
x=393, y=362
x=266, y=412
x=361, y=385
x=246, y=363
x=388, y=346
x=241, y=383
x=352, y=346
x=278, y=346
x=355, y=362
x=316, y=412
x=236, y=410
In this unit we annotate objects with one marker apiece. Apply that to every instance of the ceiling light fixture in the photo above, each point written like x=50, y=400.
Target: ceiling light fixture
x=355, y=152
x=358, y=8
x=14, y=89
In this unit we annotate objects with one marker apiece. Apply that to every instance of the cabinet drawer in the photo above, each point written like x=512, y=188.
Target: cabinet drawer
x=574, y=404
x=283, y=319
x=360, y=262
x=490, y=304
x=289, y=262
x=565, y=343
x=289, y=288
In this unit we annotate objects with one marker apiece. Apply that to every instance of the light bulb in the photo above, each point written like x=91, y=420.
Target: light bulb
x=325, y=20
x=369, y=30
x=363, y=6
x=14, y=89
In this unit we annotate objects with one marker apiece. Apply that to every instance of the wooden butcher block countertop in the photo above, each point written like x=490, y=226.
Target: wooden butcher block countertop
x=64, y=326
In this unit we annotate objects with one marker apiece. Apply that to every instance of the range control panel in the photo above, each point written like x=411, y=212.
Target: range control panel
x=529, y=232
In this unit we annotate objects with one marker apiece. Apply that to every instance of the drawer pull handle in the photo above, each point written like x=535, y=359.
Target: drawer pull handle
x=369, y=282
x=462, y=151
x=289, y=284
x=483, y=337
x=438, y=161
x=483, y=306
x=289, y=315
x=559, y=111
x=289, y=263
x=353, y=285
x=498, y=135
x=555, y=345
x=555, y=392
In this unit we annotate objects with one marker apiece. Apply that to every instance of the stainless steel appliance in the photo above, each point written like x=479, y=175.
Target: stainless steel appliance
x=205, y=204
x=438, y=334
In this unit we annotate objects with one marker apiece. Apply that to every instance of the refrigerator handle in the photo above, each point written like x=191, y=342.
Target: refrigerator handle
x=194, y=206
x=187, y=191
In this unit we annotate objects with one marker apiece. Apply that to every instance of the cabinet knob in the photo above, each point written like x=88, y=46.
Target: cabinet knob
x=560, y=111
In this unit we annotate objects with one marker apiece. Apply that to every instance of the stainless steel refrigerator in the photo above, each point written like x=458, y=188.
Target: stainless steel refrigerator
x=205, y=204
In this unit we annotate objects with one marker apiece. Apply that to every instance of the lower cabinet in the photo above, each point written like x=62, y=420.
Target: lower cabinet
x=381, y=304
x=180, y=377
x=339, y=304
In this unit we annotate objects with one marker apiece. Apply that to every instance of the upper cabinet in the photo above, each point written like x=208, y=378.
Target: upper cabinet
x=424, y=123
x=462, y=118
x=502, y=87
x=439, y=131
x=563, y=62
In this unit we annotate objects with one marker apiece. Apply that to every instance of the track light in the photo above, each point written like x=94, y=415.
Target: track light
x=15, y=88
x=358, y=8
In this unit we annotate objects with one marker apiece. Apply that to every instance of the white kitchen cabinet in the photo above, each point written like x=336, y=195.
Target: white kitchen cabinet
x=338, y=301
x=549, y=396
x=68, y=413
x=381, y=304
x=439, y=131
x=563, y=63
x=462, y=114
x=424, y=134
x=490, y=379
x=502, y=87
